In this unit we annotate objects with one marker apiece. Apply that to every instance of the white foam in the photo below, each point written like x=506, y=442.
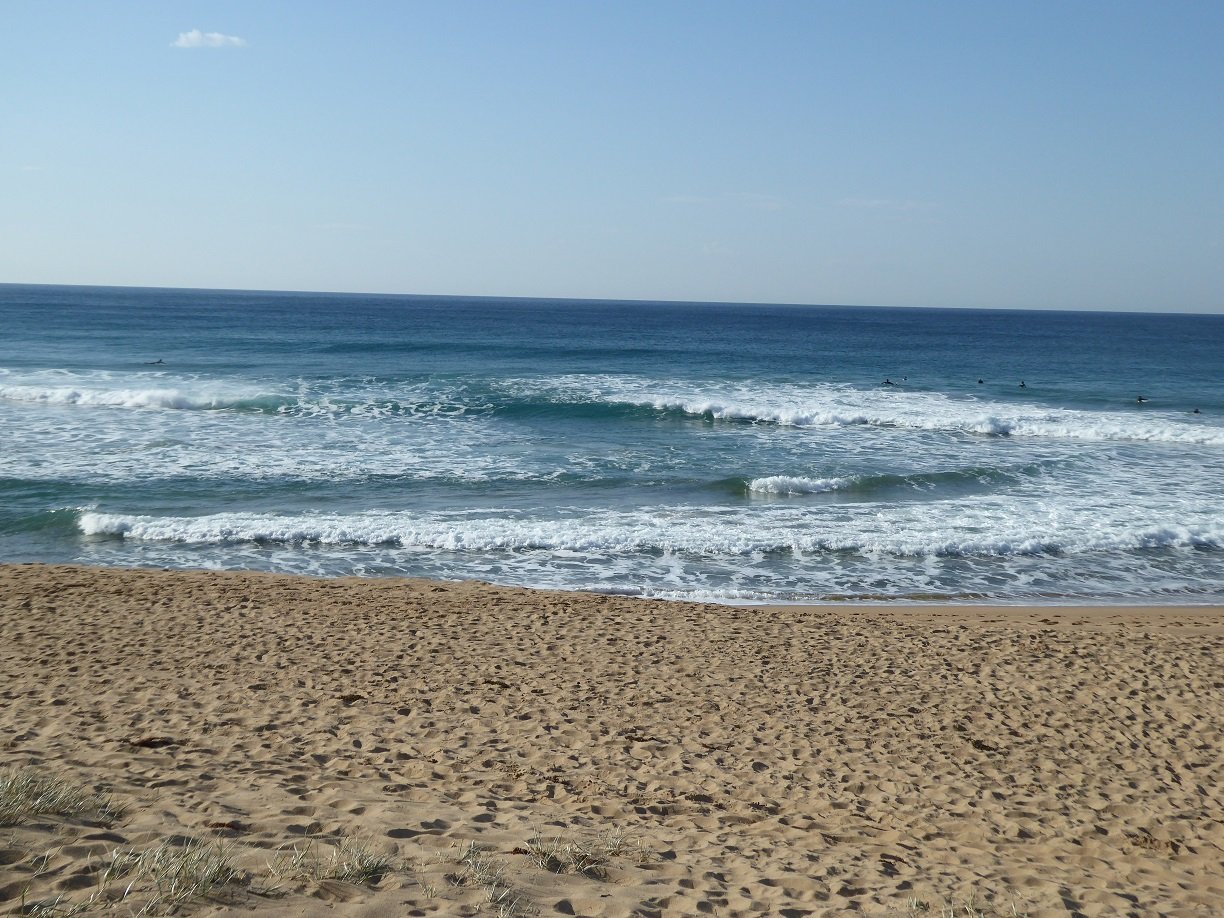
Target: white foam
x=821, y=405
x=787, y=484
x=144, y=427
x=160, y=390
x=993, y=530
x=168, y=398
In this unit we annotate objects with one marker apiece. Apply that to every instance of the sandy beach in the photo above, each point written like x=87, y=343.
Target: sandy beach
x=486, y=750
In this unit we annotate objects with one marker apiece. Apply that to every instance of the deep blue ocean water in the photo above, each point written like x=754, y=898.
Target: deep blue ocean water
x=708, y=451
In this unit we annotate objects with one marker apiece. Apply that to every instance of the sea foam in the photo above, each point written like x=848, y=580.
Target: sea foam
x=788, y=484
x=987, y=532
x=823, y=405
x=170, y=398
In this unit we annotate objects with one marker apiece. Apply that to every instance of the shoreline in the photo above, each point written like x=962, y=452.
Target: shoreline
x=702, y=758
x=924, y=603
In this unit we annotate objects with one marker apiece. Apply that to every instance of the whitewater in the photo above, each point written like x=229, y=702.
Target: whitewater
x=718, y=452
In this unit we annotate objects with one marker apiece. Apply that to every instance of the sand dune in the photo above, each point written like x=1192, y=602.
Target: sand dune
x=492, y=743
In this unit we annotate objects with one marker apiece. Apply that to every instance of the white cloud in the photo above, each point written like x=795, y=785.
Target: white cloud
x=197, y=39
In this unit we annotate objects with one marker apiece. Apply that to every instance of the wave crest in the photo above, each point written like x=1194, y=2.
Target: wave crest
x=927, y=411
x=671, y=531
x=788, y=484
x=167, y=398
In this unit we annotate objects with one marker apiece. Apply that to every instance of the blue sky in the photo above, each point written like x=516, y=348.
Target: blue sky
x=1046, y=155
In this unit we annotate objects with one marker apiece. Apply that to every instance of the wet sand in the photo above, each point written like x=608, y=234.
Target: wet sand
x=695, y=759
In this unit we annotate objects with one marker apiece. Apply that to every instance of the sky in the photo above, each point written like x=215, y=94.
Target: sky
x=1065, y=155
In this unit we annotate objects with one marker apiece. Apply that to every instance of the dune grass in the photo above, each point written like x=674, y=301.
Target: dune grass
x=349, y=860
x=481, y=869
x=560, y=854
x=155, y=881
x=26, y=793
x=173, y=874
x=966, y=908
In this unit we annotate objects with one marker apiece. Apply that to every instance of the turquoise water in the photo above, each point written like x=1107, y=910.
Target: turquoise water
x=710, y=451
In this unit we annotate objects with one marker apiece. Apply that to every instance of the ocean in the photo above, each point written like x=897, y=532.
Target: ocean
x=718, y=452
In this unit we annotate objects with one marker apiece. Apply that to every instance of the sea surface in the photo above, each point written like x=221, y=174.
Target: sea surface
x=725, y=452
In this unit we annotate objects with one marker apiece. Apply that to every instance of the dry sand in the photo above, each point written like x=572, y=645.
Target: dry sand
x=713, y=760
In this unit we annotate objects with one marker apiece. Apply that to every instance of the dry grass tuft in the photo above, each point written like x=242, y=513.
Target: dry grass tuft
x=967, y=908
x=349, y=860
x=157, y=881
x=566, y=855
x=481, y=869
x=172, y=874
x=28, y=792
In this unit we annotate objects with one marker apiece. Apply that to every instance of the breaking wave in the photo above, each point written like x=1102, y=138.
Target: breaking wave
x=822, y=405
x=671, y=531
x=788, y=484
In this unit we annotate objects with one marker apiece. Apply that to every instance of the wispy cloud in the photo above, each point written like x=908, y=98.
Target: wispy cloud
x=890, y=204
x=741, y=199
x=760, y=201
x=197, y=39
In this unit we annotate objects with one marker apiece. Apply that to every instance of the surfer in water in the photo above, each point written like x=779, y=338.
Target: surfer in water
x=1139, y=399
x=888, y=382
x=1022, y=385
x=153, y=363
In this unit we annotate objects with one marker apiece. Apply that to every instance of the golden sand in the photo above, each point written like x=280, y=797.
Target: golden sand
x=694, y=759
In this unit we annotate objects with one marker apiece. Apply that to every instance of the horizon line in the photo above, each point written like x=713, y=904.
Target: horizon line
x=626, y=300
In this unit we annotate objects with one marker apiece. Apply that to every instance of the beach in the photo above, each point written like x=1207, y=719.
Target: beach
x=494, y=750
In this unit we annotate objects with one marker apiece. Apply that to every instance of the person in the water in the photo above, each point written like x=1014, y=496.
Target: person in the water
x=1139, y=399
x=888, y=382
x=1022, y=385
